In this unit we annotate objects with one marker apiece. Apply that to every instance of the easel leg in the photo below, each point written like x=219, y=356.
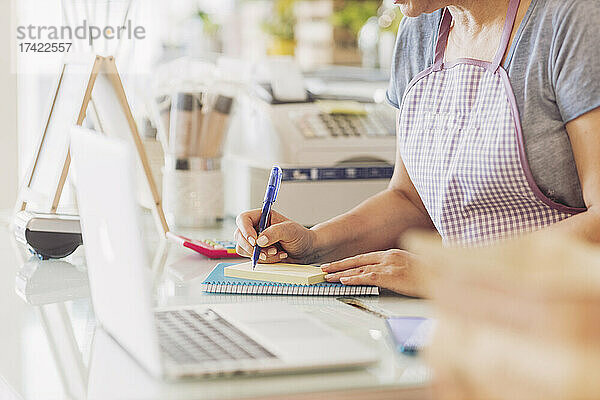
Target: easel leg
x=61, y=183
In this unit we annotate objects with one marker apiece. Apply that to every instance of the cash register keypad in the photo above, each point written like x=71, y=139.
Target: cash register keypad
x=343, y=125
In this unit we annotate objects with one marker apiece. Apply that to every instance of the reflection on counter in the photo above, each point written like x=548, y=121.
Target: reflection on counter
x=53, y=281
x=51, y=286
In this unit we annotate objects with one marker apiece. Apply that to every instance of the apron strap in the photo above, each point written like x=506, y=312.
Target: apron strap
x=509, y=24
x=440, y=47
x=444, y=31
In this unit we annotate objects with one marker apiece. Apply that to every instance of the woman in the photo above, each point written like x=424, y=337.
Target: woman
x=498, y=135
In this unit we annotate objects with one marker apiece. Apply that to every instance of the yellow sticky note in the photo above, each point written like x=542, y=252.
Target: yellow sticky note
x=297, y=274
x=342, y=107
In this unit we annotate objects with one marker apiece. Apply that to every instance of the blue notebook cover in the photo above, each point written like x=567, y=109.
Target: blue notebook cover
x=216, y=281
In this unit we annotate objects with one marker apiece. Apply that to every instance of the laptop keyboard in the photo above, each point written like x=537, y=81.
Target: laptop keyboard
x=189, y=337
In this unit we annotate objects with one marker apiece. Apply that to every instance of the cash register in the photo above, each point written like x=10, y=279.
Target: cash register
x=335, y=151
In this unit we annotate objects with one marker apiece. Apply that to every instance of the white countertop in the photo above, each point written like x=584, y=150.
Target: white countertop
x=50, y=347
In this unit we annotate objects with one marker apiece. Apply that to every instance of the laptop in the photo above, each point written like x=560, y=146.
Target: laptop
x=195, y=341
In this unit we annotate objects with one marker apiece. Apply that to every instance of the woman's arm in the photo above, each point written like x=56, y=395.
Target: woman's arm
x=584, y=133
x=374, y=228
x=376, y=224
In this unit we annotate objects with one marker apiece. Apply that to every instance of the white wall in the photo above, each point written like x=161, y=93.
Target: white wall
x=8, y=112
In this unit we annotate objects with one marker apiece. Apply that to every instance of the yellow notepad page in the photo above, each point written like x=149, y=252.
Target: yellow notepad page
x=297, y=274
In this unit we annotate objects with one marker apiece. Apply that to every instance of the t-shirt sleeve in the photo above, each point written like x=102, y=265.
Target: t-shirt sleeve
x=413, y=53
x=391, y=94
x=575, y=65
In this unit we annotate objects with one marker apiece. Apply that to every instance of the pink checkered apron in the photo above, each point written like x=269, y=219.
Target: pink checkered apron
x=460, y=139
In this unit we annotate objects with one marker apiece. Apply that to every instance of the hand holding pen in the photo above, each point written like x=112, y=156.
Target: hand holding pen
x=265, y=215
x=281, y=240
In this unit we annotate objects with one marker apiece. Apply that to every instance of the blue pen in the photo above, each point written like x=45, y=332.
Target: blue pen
x=270, y=196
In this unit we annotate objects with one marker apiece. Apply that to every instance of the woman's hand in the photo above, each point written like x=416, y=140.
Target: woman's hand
x=391, y=269
x=284, y=240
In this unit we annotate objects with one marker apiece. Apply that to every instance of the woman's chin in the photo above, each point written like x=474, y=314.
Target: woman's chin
x=406, y=9
x=414, y=8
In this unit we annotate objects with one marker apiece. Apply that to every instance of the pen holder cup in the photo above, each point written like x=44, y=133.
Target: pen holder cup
x=193, y=192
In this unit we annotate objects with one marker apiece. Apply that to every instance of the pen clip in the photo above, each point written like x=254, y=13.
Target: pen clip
x=277, y=172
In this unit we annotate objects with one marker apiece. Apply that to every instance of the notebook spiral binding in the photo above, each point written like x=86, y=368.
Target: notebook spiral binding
x=297, y=290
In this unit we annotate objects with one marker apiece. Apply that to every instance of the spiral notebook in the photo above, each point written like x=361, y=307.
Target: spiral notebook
x=217, y=282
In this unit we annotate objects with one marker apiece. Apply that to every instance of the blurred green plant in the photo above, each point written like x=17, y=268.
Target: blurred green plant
x=354, y=14
x=281, y=24
x=209, y=26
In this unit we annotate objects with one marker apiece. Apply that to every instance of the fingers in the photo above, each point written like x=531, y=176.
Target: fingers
x=281, y=232
x=368, y=279
x=268, y=255
x=241, y=252
x=246, y=222
x=271, y=251
x=272, y=255
x=352, y=262
x=335, y=277
x=243, y=248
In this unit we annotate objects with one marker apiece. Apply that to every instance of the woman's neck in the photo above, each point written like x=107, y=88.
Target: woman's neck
x=473, y=17
x=477, y=28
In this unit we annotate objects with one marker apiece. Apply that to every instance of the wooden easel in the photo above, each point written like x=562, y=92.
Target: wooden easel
x=103, y=66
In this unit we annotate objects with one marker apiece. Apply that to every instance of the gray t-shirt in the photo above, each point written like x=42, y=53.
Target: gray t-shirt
x=554, y=68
